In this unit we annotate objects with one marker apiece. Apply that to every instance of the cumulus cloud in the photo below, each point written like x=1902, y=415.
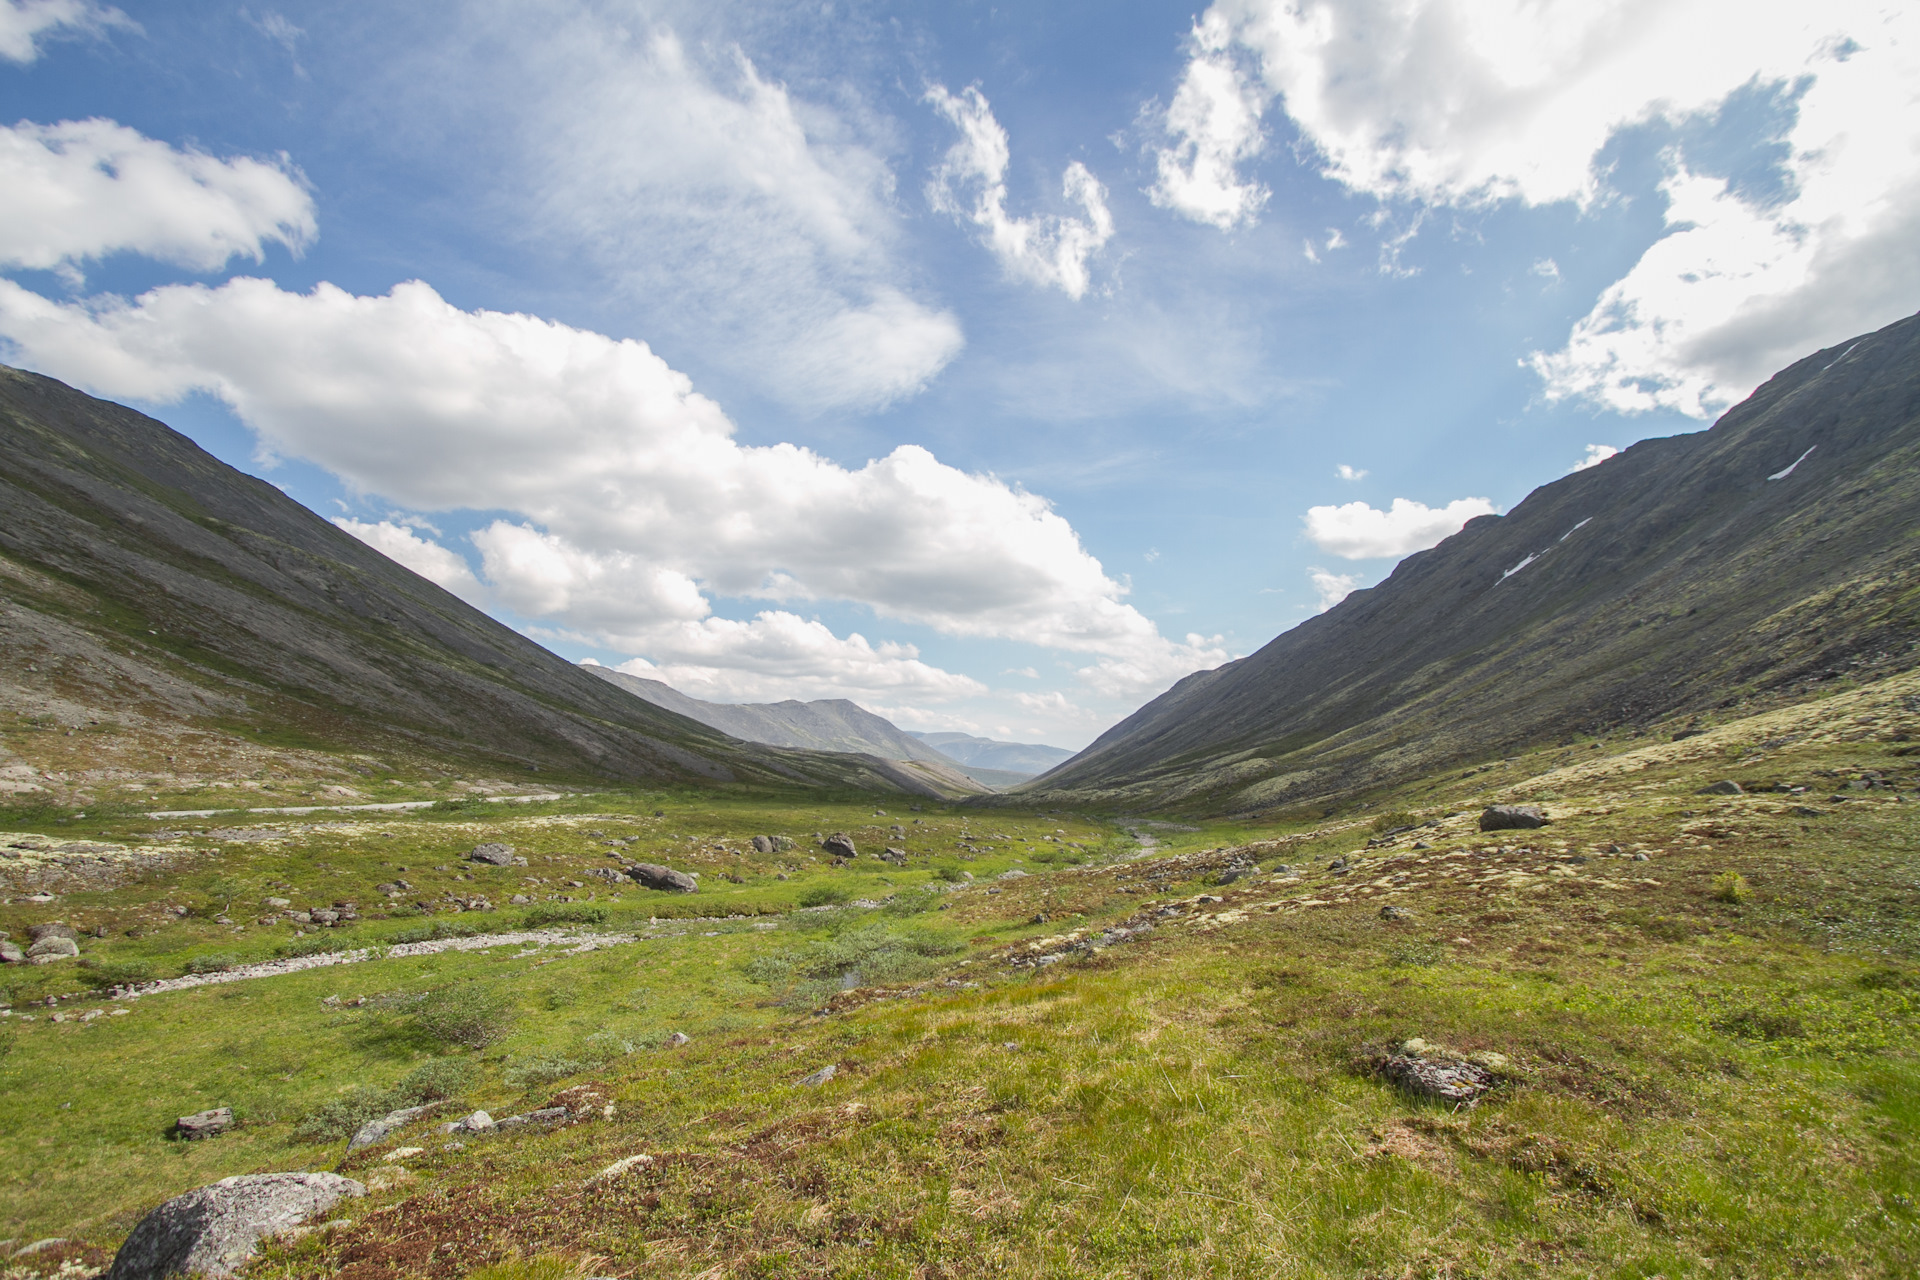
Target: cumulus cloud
x=1212, y=126
x=1332, y=588
x=1596, y=454
x=1043, y=250
x=635, y=502
x=26, y=24
x=425, y=557
x=1468, y=102
x=1346, y=472
x=83, y=189
x=779, y=655
x=1356, y=531
x=765, y=223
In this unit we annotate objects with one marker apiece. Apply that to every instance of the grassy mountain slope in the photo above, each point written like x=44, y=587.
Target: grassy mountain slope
x=147, y=583
x=1695, y=573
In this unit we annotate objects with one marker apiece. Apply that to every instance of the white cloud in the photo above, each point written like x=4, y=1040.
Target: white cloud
x=82, y=189
x=1149, y=669
x=1346, y=472
x=635, y=501
x=1356, y=531
x=1547, y=269
x=26, y=24
x=1596, y=454
x=1332, y=587
x=1044, y=250
x=1213, y=125
x=778, y=655
x=427, y=558
x=1031, y=673
x=764, y=224
x=1467, y=102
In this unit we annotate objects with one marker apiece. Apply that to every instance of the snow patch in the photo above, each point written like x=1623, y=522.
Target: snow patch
x=1782, y=475
x=1577, y=528
x=1523, y=564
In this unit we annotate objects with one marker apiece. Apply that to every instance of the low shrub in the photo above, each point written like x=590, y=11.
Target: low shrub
x=825, y=895
x=317, y=944
x=952, y=875
x=1731, y=886
x=471, y=1015
x=436, y=1081
x=870, y=955
x=114, y=973
x=212, y=963
x=433, y=932
x=595, y=1051
x=552, y=913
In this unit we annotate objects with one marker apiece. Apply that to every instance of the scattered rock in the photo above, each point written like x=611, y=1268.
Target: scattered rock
x=1805, y=811
x=665, y=879
x=10, y=953
x=1512, y=817
x=204, y=1124
x=761, y=844
x=494, y=855
x=377, y=1130
x=1725, y=787
x=898, y=857
x=1445, y=1079
x=840, y=845
x=478, y=1122
x=677, y=1039
x=821, y=1076
x=519, y=900
x=1391, y=912
x=212, y=1231
x=52, y=948
x=1013, y=873
x=54, y=929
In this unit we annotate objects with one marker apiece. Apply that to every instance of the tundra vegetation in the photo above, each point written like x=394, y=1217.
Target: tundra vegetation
x=1695, y=1014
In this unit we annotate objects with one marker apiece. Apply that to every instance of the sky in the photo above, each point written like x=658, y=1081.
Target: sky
x=994, y=367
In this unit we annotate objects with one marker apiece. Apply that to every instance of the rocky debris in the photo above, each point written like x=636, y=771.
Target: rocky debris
x=1725, y=787
x=378, y=1130
x=898, y=857
x=821, y=1076
x=54, y=929
x=494, y=855
x=1391, y=912
x=1512, y=817
x=545, y=1115
x=840, y=845
x=771, y=844
x=520, y=900
x=478, y=1122
x=666, y=879
x=204, y=1124
x=1012, y=873
x=10, y=952
x=212, y=1231
x=51, y=948
x=276, y=903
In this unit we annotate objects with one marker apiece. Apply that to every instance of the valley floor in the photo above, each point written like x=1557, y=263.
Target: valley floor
x=1063, y=1044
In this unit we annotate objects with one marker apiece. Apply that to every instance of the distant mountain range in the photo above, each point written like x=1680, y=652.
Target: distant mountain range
x=835, y=724
x=1767, y=556
x=146, y=583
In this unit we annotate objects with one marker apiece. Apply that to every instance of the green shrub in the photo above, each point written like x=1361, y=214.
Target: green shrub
x=1392, y=821
x=316, y=944
x=872, y=955
x=470, y=1014
x=551, y=913
x=952, y=875
x=433, y=932
x=597, y=1050
x=435, y=1081
x=114, y=973
x=212, y=963
x=1731, y=886
x=824, y=895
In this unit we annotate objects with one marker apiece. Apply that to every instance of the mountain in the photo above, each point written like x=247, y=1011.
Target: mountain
x=1765, y=557
x=149, y=585
x=829, y=724
x=1017, y=761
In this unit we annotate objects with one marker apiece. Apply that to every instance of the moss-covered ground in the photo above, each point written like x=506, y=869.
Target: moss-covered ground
x=1707, y=1005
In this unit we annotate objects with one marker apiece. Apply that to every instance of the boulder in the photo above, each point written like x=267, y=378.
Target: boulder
x=1391, y=912
x=478, y=1122
x=1724, y=787
x=898, y=857
x=821, y=1076
x=52, y=948
x=762, y=844
x=840, y=845
x=53, y=929
x=10, y=953
x=677, y=1039
x=377, y=1130
x=213, y=1230
x=665, y=879
x=1446, y=1079
x=1512, y=817
x=494, y=855
x=204, y=1124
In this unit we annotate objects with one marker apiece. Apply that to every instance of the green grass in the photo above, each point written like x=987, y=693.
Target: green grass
x=1714, y=1073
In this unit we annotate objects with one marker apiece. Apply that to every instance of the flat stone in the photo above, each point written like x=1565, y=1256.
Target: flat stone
x=212, y=1231
x=1444, y=1079
x=664, y=879
x=53, y=929
x=821, y=1076
x=1512, y=817
x=204, y=1124
x=52, y=948
x=494, y=855
x=377, y=1130
x=1725, y=787
x=10, y=953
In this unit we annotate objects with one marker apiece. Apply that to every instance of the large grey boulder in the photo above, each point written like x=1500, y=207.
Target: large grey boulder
x=10, y=953
x=1725, y=787
x=213, y=1230
x=1513, y=817
x=665, y=879
x=53, y=947
x=840, y=845
x=377, y=1130
x=494, y=855
x=53, y=929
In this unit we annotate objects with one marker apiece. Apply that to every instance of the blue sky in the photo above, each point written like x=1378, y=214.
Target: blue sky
x=992, y=366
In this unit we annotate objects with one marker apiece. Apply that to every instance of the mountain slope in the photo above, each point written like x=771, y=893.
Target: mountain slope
x=1029, y=758
x=828, y=724
x=1772, y=552
x=149, y=583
